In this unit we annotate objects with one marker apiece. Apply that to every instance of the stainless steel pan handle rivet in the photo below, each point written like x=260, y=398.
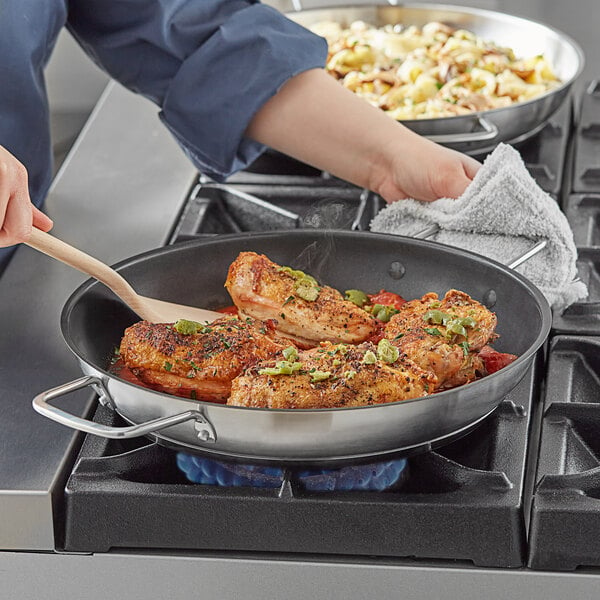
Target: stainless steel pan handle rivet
x=204, y=430
x=41, y=405
x=489, y=298
x=396, y=270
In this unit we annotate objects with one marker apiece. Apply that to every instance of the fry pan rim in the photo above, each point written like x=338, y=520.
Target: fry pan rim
x=570, y=41
x=540, y=301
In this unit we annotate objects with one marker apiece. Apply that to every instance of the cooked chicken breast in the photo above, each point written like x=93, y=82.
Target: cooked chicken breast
x=332, y=376
x=444, y=336
x=303, y=309
x=202, y=361
x=432, y=313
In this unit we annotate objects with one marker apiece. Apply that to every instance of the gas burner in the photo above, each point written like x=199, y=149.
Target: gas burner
x=370, y=477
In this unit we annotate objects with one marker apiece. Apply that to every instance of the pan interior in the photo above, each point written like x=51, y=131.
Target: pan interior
x=93, y=319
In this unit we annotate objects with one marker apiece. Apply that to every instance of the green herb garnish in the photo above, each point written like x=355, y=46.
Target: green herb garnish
x=282, y=367
x=383, y=313
x=432, y=330
x=186, y=327
x=386, y=351
x=320, y=376
x=356, y=297
x=465, y=347
x=369, y=358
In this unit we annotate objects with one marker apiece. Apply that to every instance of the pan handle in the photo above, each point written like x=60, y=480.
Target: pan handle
x=488, y=131
x=205, y=430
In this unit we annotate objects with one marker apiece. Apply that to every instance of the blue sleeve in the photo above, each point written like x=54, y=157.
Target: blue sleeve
x=209, y=64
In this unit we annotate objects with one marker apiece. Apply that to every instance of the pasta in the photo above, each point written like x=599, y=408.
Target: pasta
x=433, y=71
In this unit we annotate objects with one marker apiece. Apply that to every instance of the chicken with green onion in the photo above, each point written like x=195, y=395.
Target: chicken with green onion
x=197, y=360
x=304, y=310
x=444, y=336
x=332, y=376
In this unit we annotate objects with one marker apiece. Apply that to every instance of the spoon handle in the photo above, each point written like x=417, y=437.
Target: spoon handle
x=55, y=248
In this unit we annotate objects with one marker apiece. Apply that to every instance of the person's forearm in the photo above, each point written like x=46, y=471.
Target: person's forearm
x=314, y=119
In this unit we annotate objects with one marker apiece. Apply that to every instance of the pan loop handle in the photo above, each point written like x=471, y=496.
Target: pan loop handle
x=487, y=131
x=204, y=429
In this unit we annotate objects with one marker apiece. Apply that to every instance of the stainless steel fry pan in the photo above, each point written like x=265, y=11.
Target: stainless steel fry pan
x=93, y=321
x=482, y=131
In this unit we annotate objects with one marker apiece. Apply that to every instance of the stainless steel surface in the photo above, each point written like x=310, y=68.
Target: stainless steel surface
x=326, y=436
x=527, y=38
x=515, y=262
x=41, y=404
x=230, y=576
x=484, y=132
x=34, y=450
x=527, y=255
x=128, y=194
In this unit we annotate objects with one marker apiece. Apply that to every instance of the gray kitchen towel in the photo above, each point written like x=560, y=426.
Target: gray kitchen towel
x=501, y=214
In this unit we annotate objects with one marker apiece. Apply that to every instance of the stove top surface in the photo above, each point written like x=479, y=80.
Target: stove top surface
x=471, y=500
x=460, y=502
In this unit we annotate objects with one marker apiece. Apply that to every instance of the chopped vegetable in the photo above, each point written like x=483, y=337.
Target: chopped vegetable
x=356, y=297
x=186, y=327
x=296, y=274
x=320, y=376
x=454, y=325
x=494, y=360
x=305, y=286
x=383, y=313
x=429, y=330
x=306, y=290
x=290, y=353
x=436, y=316
x=387, y=299
x=282, y=367
x=369, y=358
x=386, y=351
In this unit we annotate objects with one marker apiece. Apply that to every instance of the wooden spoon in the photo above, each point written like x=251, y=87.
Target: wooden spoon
x=149, y=309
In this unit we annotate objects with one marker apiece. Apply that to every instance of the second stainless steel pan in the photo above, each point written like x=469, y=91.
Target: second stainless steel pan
x=93, y=321
x=479, y=132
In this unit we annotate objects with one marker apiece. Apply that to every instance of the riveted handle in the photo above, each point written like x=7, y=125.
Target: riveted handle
x=205, y=430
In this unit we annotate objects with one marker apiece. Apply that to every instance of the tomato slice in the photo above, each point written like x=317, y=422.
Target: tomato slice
x=228, y=310
x=494, y=360
x=386, y=299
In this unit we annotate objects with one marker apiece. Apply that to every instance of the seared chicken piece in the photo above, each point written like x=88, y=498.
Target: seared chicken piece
x=332, y=376
x=304, y=310
x=430, y=312
x=444, y=336
x=193, y=360
x=471, y=368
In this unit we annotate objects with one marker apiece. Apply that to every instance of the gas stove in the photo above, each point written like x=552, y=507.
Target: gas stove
x=511, y=507
x=488, y=499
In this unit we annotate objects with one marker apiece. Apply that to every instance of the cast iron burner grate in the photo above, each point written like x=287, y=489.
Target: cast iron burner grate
x=378, y=476
x=463, y=501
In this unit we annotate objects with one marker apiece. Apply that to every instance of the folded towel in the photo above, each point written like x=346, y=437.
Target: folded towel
x=501, y=215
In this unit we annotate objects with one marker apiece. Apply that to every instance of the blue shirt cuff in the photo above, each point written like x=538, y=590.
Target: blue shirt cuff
x=219, y=87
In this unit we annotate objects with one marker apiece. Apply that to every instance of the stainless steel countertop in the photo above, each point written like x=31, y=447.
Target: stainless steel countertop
x=116, y=195
x=123, y=184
